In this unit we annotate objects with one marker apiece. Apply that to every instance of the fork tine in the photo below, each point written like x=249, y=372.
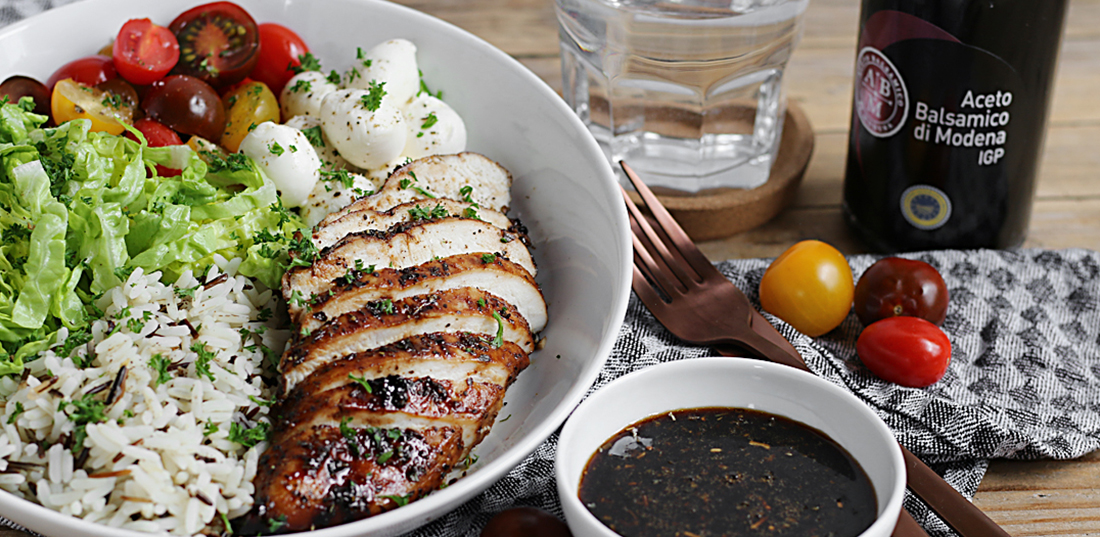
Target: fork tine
x=646, y=292
x=676, y=235
x=654, y=268
x=671, y=258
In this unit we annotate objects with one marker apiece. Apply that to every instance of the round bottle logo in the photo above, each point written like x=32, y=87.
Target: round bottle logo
x=926, y=207
x=882, y=101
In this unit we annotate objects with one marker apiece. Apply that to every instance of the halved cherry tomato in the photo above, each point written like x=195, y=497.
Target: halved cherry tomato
x=186, y=104
x=909, y=351
x=144, y=52
x=90, y=70
x=18, y=86
x=894, y=286
x=157, y=135
x=72, y=100
x=809, y=286
x=125, y=91
x=245, y=107
x=279, y=50
x=219, y=43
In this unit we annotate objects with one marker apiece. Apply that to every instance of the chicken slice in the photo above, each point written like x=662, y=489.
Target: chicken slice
x=386, y=321
x=401, y=247
x=367, y=219
x=464, y=176
x=498, y=275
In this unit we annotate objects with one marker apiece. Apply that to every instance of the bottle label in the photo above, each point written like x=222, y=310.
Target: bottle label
x=882, y=100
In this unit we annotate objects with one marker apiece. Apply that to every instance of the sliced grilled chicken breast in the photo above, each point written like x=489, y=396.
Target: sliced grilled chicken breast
x=383, y=322
x=401, y=247
x=440, y=176
x=367, y=219
x=497, y=275
x=333, y=473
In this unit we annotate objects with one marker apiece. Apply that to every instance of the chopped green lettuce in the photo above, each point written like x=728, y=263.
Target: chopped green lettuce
x=79, y=210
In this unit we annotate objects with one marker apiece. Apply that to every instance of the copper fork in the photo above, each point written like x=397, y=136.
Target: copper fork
x=699, y=305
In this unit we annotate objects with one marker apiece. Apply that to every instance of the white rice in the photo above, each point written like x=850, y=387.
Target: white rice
x=151, y=466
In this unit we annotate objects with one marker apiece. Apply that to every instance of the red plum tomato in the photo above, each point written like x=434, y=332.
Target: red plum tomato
x=525, y=522
x=144, y=52
x=89, y=71
x=187, y=105
x=219, y=43
x=809, y=286
x=908, y=351
x=894, y=287
x=279, y=51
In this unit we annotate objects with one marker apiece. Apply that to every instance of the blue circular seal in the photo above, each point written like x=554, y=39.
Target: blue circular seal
x=925, y=207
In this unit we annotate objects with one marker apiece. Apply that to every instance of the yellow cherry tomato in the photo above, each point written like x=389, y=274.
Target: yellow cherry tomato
x=249, y=104
x=810, y=287
x=107, y=112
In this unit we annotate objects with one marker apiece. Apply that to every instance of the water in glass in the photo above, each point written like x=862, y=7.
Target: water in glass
x=688, y=92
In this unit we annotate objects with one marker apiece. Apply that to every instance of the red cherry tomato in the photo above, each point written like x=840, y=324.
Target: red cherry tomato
x=909, y=351
x=90, y=71
x=279, y=50
x=157, y=135
x=895, y=286
x=187, y=105
x=144, y=52
x=219, y=43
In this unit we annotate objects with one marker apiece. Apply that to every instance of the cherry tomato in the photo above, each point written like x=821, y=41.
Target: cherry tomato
x=279, y=50
x=144, y=52
x=219, y=43
x=187, y=105
x=809, y=286
x=18, y=86
x=245, y=107
x=525, y=522
x=72, y=100
x=90, y=70
x=157, y=135
x=126, y=92
x=895, y=286
x=909, y=351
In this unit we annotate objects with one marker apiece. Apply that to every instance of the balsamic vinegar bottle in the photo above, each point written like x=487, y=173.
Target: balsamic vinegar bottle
x=948, y=119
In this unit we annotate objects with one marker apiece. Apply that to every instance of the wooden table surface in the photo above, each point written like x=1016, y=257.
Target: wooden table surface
x=1027, y=498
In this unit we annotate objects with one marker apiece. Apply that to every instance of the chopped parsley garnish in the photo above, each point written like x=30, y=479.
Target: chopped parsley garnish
x=249, y=437
x=14, y=233
x=420, y=213
x=202, y=364
x=373, y=99
x=349, y=434
x=381, y=459
x=333, y=77
x=499, y=339
x=429, y=120
x=301, y=86
x=85, y=410
x=401, y=501
x=362, y=381
x=160, y=364
x=112, y=100
x=466, y=193
x=304, y=250
x=261, y=402
x=424, y=88
x=308, y=62
x=276, y=523
x=344, y=177
x=234, y=162
x=209, y=428
x=77, y=338
x=386, y=305
x=275, y=148
x=297, y=299
x=471, y=212
x=15, y=415
x=313, y=134
x=481, y=302
x=488, y=258
x=182, y=292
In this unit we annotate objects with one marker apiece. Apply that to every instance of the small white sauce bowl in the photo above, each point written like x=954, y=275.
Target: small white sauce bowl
x=729, y=382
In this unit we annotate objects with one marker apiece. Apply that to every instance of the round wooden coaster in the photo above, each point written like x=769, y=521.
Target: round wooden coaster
x=721, y=212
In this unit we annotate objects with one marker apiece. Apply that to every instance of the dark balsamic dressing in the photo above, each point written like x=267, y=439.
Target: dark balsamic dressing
x=726, y=471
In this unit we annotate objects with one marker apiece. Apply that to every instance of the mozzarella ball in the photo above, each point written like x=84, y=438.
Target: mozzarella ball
x=303, y=94
x=284, y=154
x=333, y=193
x=365, y=138
x=330, y=157
x=434, y=128
x=394, y=63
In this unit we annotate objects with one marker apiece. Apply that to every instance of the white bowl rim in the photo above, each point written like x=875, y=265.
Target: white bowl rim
x=605, y=397
x=419, y=512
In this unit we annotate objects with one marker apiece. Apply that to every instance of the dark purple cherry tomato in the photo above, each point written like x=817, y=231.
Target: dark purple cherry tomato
x=90, y=70
x=895, y=287
x=219, y=43
x=18, y=86
x=525, y=522
x=126, y=92
x=187, y=105
x=909, y=351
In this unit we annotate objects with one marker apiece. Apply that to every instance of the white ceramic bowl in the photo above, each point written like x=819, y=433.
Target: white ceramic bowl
x=729, y=382
x=564, y=192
